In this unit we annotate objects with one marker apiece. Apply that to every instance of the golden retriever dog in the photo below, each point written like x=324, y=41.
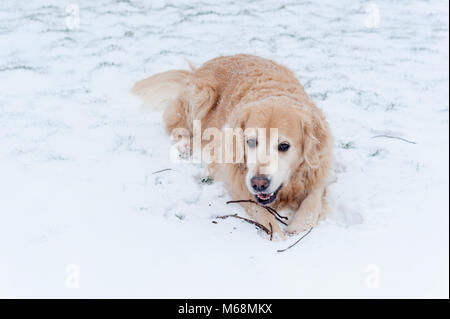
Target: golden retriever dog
x=245, y=91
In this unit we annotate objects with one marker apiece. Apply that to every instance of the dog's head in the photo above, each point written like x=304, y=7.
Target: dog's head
x=279, y=136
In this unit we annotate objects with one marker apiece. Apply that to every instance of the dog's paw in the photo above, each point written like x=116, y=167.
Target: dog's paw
x=302, y=223
x=277, y=233
x=184, y=149
x=296, y=229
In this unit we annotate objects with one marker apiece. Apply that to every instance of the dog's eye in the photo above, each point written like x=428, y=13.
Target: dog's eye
x=252, y=142
x=283, y=147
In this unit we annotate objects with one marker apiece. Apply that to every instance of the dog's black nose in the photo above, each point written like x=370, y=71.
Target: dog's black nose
x=259, y=184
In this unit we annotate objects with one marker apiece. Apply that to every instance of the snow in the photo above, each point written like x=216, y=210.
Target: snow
x=83, y=215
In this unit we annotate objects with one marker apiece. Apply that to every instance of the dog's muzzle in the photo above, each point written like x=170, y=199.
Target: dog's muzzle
x=267, y=198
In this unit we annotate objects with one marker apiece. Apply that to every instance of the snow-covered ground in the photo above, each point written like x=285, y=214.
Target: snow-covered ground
x=83, y=215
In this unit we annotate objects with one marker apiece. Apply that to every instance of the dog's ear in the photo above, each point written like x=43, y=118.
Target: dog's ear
x=314, y=137
x=238, y=117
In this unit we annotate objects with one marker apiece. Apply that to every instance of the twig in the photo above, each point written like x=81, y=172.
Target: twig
x=271, y=231
x=275, y=212
x=241, y=201
x=162, y=170
x=269, y=209
x=281, y=250
x=395, y=137
x=268, y=232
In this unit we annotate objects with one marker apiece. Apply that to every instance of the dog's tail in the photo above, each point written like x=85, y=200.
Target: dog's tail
x=161, y=90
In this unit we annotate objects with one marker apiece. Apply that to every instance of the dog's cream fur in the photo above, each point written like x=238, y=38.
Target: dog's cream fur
x=250, y=92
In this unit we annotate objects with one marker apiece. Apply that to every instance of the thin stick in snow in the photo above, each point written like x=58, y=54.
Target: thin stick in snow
x=269, y=209
x=268, y=232
x=162, y=170
x=395, y=137
x=281, y=250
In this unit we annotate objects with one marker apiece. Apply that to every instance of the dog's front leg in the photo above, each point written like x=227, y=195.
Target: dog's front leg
x=262, y=216
x=308, y=214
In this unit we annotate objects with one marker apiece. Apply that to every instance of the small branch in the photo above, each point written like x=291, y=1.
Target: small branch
x=281, y=250
x=241, y=201
x=268, y=232
x=269, y=209
x=275, y=212
x=162, y=170
x=395, y=137
x=271, y=231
